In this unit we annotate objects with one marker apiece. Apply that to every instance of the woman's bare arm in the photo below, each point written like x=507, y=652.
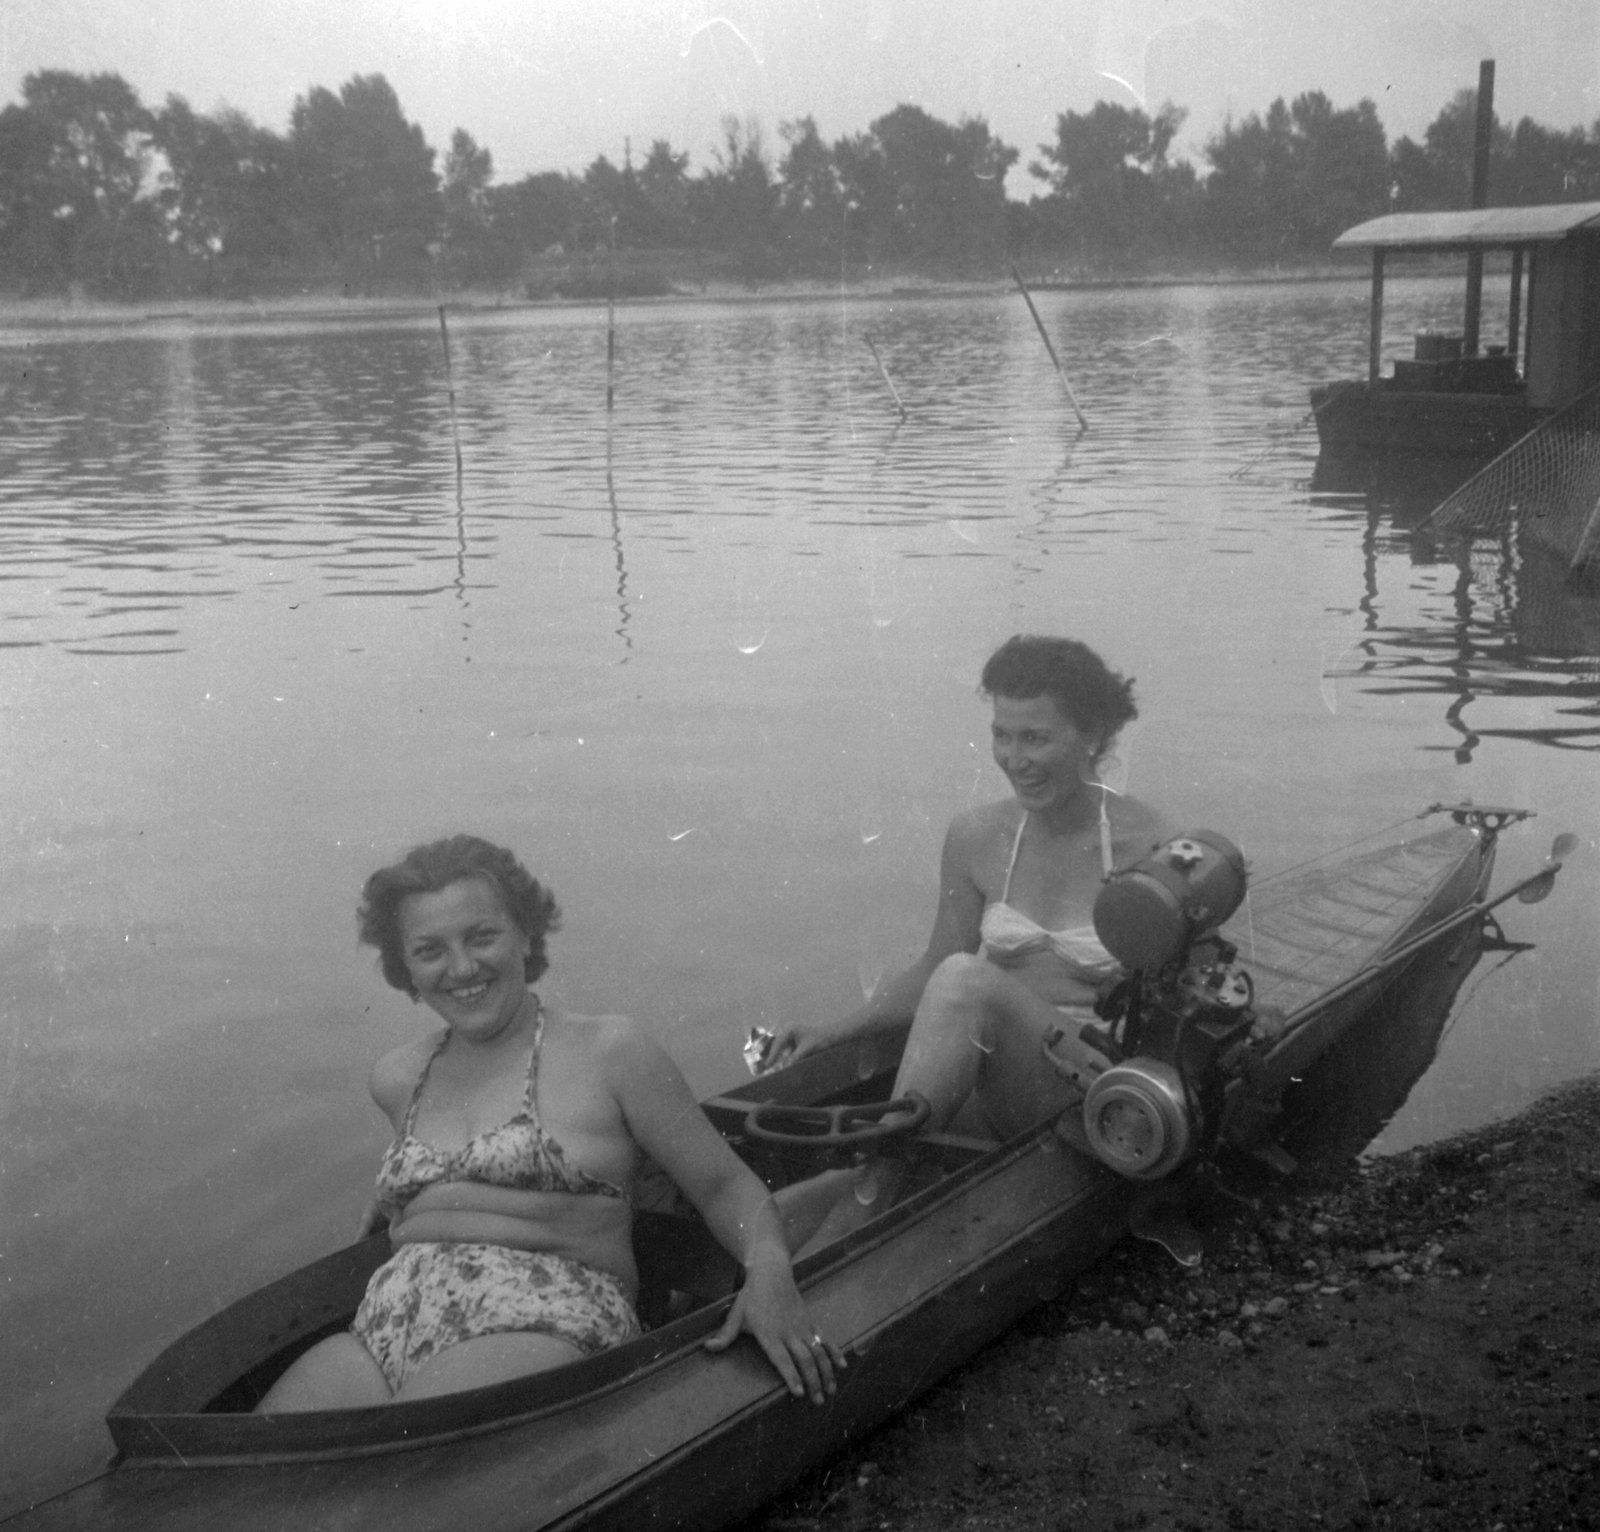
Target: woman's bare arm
x=667, y=1123
x=894, y=1001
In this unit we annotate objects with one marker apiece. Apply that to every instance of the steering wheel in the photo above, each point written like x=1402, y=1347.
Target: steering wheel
x=824, y=1129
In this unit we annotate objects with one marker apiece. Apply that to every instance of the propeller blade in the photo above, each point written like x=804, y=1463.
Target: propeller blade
x=1563, y=846
x=1537, y=888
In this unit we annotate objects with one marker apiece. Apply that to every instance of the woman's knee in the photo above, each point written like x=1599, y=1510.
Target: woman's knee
x=960, y=980
x=959, y=1000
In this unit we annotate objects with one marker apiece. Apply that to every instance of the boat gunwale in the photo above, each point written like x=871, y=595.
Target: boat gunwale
x=1105, y=1187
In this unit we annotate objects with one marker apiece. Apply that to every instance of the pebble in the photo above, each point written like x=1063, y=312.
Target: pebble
x=1228, y=1340
x=1275, y=1308
x=1156, y=1335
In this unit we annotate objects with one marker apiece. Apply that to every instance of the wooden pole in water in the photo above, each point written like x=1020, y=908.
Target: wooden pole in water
x=1514, y=322
x=1044, y=335
x=450, y=385
x=611, y=320
x=1375, y=321
x=886, y=378
x=1482, y=141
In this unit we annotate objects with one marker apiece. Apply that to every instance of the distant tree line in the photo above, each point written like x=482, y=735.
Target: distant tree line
x=99, y=190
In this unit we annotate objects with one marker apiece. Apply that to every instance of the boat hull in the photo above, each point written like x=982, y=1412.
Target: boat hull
x=1364, y=430
x=695, y=1440
x=663, y=1433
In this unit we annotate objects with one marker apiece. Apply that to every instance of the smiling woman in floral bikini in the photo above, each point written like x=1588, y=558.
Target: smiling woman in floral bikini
x=519, y=1129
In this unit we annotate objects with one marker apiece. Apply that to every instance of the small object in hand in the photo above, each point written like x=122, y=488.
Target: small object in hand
x=756, y=1047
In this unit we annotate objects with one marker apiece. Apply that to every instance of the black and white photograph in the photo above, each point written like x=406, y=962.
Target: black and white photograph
x=800, y=765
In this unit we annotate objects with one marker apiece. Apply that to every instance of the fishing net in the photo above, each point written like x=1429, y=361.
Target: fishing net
x=1547, y=486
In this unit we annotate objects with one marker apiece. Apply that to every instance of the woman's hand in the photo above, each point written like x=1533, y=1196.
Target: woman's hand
x=803, y=1037
x=770, y=1308
x=669, y=1126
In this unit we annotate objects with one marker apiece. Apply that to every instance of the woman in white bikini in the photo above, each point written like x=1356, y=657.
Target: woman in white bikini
x=1013, y=958
x=519, y=1129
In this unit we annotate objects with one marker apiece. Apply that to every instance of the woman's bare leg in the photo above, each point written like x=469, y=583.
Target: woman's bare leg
x=804, y=1206
x=980, y=1031
x=487, y=1359
x=336, y=1374
x=976, y=1049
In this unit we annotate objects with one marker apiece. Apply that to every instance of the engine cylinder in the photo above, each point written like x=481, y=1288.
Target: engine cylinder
x=1147, y=914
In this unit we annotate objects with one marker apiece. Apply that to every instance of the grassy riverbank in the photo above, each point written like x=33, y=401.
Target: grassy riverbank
x=1413, y=1343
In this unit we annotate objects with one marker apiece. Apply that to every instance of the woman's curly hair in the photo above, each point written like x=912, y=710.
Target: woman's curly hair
x=427, y=869
x=1093, y=697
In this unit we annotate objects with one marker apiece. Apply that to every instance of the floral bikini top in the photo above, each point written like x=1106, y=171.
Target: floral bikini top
x=1009, y=936
x=518, y=1154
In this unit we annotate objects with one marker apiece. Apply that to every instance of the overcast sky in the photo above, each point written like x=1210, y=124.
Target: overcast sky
x=548, y=84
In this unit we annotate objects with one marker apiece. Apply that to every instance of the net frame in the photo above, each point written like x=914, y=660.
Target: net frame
x=1546, y=484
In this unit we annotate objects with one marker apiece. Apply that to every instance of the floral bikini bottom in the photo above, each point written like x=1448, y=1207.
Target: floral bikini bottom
x=427, y=1297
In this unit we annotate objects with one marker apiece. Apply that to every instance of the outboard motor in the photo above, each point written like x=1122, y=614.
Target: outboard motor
x=1178, y=1023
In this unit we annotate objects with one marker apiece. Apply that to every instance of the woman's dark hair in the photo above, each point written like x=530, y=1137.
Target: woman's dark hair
x=425, y=870
x=1096, y=699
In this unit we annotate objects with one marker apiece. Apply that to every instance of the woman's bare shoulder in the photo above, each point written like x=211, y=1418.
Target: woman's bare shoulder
x=611, y=1041
x=976, y=828
x=626, y=1055
x=394, y=1077
x=1134, y=821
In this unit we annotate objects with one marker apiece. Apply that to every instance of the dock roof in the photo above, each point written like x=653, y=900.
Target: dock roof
x=1473, y=228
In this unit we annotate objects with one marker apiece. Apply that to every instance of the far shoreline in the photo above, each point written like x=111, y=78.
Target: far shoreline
x=63, y=313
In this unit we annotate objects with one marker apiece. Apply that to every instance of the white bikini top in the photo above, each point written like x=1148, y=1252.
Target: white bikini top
x=1009, y=936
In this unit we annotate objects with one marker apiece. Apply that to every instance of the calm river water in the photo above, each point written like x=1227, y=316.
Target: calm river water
x=720, y=693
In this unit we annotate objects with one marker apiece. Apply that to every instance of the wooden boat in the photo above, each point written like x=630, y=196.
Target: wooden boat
x=664, y=1434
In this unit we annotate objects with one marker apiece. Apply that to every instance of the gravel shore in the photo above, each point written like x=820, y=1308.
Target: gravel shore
x=1412, y=1342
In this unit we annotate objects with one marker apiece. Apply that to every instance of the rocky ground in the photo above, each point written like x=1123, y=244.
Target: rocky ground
x=1408, y=1343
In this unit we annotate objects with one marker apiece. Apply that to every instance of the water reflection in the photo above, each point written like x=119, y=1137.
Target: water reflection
x=1506, y=623
x=624, y=616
